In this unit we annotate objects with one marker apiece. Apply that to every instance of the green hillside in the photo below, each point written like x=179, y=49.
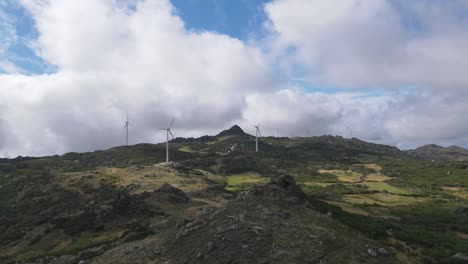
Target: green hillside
x=345, y=201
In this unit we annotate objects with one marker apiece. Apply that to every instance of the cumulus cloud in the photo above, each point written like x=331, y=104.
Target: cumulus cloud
x=381, y=43
x=300, y=113
x=406, y=120
x=112, y=57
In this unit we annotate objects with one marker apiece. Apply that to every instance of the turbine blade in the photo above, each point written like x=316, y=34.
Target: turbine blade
x=259, y=132
x=171, y=134
x=131, y=125
x=171, y=123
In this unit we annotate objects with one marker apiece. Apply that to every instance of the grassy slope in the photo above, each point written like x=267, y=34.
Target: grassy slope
x=328, y=168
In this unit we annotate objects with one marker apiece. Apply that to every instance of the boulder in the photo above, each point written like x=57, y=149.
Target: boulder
x=287, y=185
x=280, y=187
x=172, y=194
x=283, y=181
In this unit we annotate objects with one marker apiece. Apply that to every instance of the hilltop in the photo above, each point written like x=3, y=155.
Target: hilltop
x=438, y=153
x=235, y=130
x=320, y=199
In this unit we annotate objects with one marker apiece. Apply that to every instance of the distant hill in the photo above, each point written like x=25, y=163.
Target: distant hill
x=235, y=130
x=438, y=153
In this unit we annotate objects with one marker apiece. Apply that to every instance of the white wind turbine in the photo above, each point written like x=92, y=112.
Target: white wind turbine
x=168, y=132
x=127, y=124
x=350, y=131
x=257, y=134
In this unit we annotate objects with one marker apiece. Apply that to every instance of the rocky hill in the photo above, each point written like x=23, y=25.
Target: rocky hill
x=299, y=200
x=270, y=223
x=235, y=130
x=438, y=153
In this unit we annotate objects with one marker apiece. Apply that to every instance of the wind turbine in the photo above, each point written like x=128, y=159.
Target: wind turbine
x=257, y=133
x=350, y=131
x=127, y=124
x=168, y=132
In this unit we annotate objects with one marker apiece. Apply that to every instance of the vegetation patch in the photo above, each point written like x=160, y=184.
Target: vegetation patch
x=344, y=175
x=349, y=208
x=382, y=199
x=376, y=177
x=244, y=181
x=320, y=184
x=187, y=149
x=373, y=166
x=461, y=192
x=332, y=191
x=421, y=173
x=385, y=187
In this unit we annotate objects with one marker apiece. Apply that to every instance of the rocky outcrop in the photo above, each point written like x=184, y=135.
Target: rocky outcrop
x=235, y=130
x=172, y=194
x=282, y=187
x=263, y=226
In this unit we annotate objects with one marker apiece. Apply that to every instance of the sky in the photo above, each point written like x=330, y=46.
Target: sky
x=386, y=71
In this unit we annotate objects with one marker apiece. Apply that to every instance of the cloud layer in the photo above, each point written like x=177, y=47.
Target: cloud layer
x=381, y=43
x=114, y=57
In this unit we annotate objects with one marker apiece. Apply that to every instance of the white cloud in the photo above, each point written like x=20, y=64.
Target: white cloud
x=9, y=67
x=111, y=59
x=405, y=120
x=379, y=43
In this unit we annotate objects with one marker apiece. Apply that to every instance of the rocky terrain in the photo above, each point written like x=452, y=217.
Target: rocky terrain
x=438, y=153
x=300, y=200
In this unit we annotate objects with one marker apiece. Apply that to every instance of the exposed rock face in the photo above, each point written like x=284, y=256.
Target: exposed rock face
x=235, y=130
x=172, y=194
x=279, y=187
x=262, y=226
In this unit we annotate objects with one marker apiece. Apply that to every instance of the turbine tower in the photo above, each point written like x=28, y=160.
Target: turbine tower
x=127, y=124
x=350, y=131
x=257, y=133
x=168, y=132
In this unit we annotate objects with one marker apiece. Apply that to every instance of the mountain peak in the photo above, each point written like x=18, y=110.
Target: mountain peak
x=235, y=130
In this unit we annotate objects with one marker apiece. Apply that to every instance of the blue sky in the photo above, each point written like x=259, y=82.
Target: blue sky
x=19, y=52
x=393, y=70
x=241, y=19
x=238, y=18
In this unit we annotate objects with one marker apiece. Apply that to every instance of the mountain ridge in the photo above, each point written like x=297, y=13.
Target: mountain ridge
x=222, y=200
x=435, y=152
